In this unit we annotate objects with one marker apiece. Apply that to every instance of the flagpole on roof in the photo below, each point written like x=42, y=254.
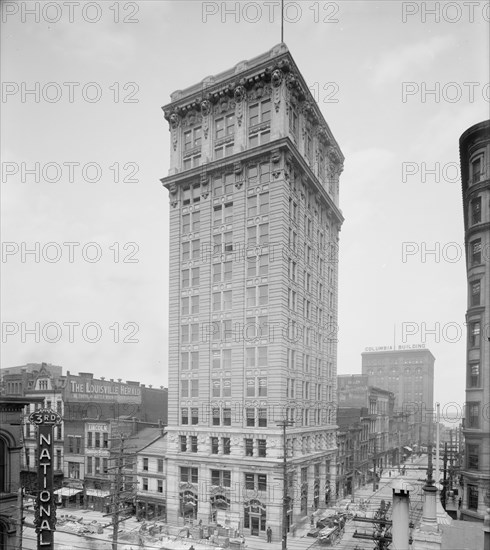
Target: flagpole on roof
x=282, y=21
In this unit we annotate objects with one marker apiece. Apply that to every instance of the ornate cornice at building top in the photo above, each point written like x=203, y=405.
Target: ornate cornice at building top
x=252, y=83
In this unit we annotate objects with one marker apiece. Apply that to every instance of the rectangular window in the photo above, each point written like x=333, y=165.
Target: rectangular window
x=262, y=482
x=145, y=464
x=476, y=210
x=250, y=417
x=89, y=465
x=216, y=416
x=70, y=444
x=250, y=482
x=193, y=443
x=257, y=264
x=159, y=486
x=184, y=416
x=472, y=453
x=262, y=447
x=475, y=293
x=192, y=138
x=223, y=184
x=258, y=205
x=476, y=170
x=78, y=445
x=473, y=412
x=223, y=214
x=262, y=418
x=159, y=465
x=105, y=440
x=226, y=417
x=226, y=441
x=105, y=467
x=194, y=388
x=225, y=126
x=145, y=484
x=472, y=497
x=249, y=447
x=89, y=439
x=183, y=443
x=214, y=445
x=474, y=375
x=475, y=248
x=194, y=416
x=475, y=334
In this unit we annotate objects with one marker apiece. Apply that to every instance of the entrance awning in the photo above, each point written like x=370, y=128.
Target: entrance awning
x=409, y=449
x=97, y=493
x=67, y=492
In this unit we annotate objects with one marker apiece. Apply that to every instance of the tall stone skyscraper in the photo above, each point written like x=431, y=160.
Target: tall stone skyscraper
x=254, y=228
x=474, y=149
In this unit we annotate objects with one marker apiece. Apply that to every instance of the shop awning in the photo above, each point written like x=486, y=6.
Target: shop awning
x=98, y=493
x=409, y=449
x=67, y=492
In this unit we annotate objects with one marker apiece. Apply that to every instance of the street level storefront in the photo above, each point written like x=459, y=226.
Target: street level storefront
x=69, y=497
x=151, y=508
x=97, y=499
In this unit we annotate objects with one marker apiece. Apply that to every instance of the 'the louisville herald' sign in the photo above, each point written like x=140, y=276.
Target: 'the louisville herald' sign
x=45, y=511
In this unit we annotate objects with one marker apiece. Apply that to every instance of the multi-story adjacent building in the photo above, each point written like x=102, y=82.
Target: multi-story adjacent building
x=409, y=374
x=377, y=406
x=254, y=227
x=11, y=521
x=474, y=147
x=92, y=411
x=151, y=496
x=372, y=437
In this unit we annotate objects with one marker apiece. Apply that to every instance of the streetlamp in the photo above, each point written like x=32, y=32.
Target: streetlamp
x=284, y=424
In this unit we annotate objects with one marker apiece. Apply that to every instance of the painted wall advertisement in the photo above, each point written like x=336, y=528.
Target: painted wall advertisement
x=88, y=389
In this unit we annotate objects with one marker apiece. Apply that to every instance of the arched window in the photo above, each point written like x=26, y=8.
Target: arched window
x=3, y=535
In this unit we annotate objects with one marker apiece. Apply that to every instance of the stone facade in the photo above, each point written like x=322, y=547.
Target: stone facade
x=474, y=147
x=254, y=225
x=409, y=374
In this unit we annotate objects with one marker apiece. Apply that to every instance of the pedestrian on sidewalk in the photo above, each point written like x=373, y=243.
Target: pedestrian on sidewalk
x=460, y=501
x=269, y=534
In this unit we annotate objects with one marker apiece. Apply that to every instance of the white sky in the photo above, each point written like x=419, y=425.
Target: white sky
x=361, y=60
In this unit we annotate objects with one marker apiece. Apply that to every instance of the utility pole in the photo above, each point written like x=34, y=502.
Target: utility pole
x=116, y=499
x=285, y=502
x=399, y=449
x=444, y=483
x=21, y=516
x=375, y=460
x=118, y=486
x=354, y=465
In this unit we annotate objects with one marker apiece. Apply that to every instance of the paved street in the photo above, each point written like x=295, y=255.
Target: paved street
x=415, y=472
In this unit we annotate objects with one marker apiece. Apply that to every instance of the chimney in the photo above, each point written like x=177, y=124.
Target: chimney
x=400, y=516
